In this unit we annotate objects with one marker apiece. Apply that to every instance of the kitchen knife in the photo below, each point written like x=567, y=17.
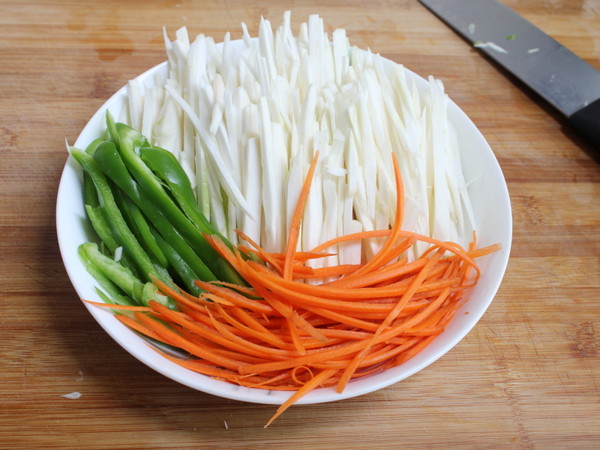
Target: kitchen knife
x=563, y=79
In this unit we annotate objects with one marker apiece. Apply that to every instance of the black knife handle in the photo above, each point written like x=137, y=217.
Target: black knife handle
x=587, y=123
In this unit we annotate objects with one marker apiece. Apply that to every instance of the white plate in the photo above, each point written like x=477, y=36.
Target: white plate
x=492, y=208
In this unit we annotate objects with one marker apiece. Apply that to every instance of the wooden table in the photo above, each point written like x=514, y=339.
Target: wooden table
x=527, y=376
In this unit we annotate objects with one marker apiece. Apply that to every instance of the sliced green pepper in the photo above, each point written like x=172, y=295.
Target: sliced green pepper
x=113, y=214
x=164, y=165
x=115, y=272
x=139, y=226
x=111, y=163
x=179, y=265
x=115, y=294
x=130, y=143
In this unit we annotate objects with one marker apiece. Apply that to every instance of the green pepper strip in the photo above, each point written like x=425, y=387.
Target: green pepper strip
x=139, y=226
x=91, y=148
x=179, y=265
x=111, y=163
x=130, y=141
x=90, y=196
x=102, y=227
x=115, y=272
x=97, y=214
x=164, y=165
x=115, y=294
x=116, y=220
x=117, y=280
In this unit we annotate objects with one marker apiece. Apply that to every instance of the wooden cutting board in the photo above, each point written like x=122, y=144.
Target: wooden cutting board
x=527, y=376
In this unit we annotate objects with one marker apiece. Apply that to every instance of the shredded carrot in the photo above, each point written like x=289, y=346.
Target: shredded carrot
x=306, y=388
x=327, y=272
x=350, y=321
x=382, y=256
x=294, y=231
x=234, y=297
x=119, y=307
x=185, y=344
x=126, y=320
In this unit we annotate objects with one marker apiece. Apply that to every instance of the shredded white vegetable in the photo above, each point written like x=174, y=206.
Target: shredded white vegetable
x=246, y=118
x=491, y=46
x=118, y=253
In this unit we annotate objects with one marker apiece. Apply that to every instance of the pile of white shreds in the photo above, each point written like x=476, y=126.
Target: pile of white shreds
x=245, y=119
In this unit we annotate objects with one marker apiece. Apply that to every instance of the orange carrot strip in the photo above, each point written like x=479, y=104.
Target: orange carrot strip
x=484, y=251
x=179, y=297
x=222, y=249
x=320, y=295
x=119, y=307
x=295, y=335
x=351, y=237
x=302, y=299
x=333, y=271
x=309, y=386
x=289, y=313
x=262, y=253
x=266, y=257
x=254, y=324
x=205, y=368
x=448, y=246
x=273, y=383
x=284, y=309
x=182, y=343
x=237, y=356
x=269, y=387
x=373, y=369
x=347, y=349
x=273, y=259
x=294, y=230
x=197, y=304
x=223, y=336
x=473, y=242
x=395, y=252
x=235, y=298
x=243, y=289
x=414, y=350
x=386, y=273
x=342, y=318
x=381, y=256
x=213, y=300
x=248, y=346
x=265, y=336
x=392, y=315
x=301, y=256
x=138, y=327
x=346, y=334
x=295, y=377
x=379, y=357
x=201, y=318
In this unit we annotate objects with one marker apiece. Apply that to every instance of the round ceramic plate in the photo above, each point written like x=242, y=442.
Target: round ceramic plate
x=492, y=209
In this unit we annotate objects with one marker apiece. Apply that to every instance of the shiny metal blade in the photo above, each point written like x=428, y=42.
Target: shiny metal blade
x=554, y=72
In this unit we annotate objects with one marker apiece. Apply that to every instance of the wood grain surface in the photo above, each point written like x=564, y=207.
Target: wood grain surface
x=527, y=376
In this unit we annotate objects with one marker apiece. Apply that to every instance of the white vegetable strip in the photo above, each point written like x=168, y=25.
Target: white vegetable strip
x=135, y=104
x=252, y=184
x=202, y=188
x=246, y=118
x=272, y=235
x=210, y=145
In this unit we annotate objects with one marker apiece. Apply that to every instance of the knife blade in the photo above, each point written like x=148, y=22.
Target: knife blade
x=564, y=80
